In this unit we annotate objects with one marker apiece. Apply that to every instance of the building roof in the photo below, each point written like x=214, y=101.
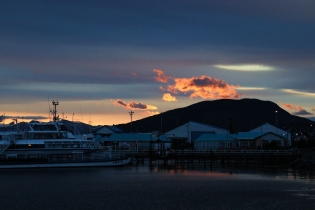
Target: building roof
x=114, y=128
x=249, y=135
x=136, y=137
x=183, y=130
x=231, y=137
x=268, y=128
x=106, y=129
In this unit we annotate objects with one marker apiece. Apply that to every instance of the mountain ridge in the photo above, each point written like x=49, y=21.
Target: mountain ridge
x=235, y=115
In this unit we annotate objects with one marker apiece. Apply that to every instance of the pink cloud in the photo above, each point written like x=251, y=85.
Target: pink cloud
x=298, y=110
x=292, y=107
x=204, y=87
x=161, y=77
x=134, y=105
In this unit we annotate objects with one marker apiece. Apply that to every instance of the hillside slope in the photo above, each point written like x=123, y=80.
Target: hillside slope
x=237, y=115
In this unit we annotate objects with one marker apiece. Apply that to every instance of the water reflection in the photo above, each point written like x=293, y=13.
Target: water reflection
x=232, y=168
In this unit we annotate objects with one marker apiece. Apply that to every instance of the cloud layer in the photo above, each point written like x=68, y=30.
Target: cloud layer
x=101, y=50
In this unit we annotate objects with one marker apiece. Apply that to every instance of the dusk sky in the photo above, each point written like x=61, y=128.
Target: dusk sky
x=103, y=59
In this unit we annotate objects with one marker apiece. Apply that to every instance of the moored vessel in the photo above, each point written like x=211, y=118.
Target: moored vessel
x=51, y=144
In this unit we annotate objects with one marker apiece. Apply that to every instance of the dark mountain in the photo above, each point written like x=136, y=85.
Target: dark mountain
x=236, y=115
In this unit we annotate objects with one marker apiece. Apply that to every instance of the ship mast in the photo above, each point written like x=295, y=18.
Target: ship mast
x=55, y=103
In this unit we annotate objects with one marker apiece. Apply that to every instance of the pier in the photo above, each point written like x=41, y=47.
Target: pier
x=268, y=157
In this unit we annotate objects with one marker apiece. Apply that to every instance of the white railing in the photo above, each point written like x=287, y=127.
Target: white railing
x=4, y=146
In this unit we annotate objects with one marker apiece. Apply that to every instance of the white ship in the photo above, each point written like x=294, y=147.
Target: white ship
x=51, y=142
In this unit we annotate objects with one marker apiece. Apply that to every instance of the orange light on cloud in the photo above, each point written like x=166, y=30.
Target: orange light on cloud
x=204, y=87
x=169, y=97
x=298, y=110
x=134, y=105
x=292, y=107
x=161, y=77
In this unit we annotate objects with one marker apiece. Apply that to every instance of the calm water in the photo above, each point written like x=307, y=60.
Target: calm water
x=158, y=187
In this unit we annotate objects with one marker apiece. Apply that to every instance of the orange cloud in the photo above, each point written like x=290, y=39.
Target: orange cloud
x=169, y=97
x=292, y=107
x=313, y=109
x=134, y=105
x=161, y=77
x=298, y=110
x=204, y=87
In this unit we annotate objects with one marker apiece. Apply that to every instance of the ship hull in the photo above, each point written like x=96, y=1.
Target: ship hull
x=67, y=164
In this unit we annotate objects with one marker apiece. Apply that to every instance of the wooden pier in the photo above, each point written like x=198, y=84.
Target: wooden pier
x=269, y=157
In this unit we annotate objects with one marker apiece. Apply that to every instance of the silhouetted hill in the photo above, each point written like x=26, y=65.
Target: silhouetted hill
x=238, y=115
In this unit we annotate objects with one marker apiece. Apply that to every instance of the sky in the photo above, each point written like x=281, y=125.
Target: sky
x=103, y=60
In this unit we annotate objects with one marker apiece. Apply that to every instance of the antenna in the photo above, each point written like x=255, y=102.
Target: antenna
x=55, y=103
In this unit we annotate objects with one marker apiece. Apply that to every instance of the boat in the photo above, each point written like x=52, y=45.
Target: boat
x=51, y=144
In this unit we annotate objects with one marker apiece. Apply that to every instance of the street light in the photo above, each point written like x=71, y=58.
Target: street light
x=277, y=120
x=131, y=113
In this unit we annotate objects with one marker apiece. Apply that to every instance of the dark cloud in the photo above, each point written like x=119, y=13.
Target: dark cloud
x=120, y=102
x=134, y=105
x=109, y=42
x=137, y=105
x=25, y=117
x=302, y=112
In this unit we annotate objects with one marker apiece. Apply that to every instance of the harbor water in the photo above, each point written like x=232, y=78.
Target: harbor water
x=144, y=186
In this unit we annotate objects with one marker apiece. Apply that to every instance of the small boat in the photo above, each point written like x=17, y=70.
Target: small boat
x=51, y=144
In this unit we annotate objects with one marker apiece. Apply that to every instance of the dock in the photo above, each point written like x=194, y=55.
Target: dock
x=269, y=157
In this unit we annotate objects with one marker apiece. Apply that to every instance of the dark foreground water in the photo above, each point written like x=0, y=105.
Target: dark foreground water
x=158, y=187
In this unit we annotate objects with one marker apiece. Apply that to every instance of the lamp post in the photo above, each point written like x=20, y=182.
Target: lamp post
x=131, y=113
x=277, y=120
